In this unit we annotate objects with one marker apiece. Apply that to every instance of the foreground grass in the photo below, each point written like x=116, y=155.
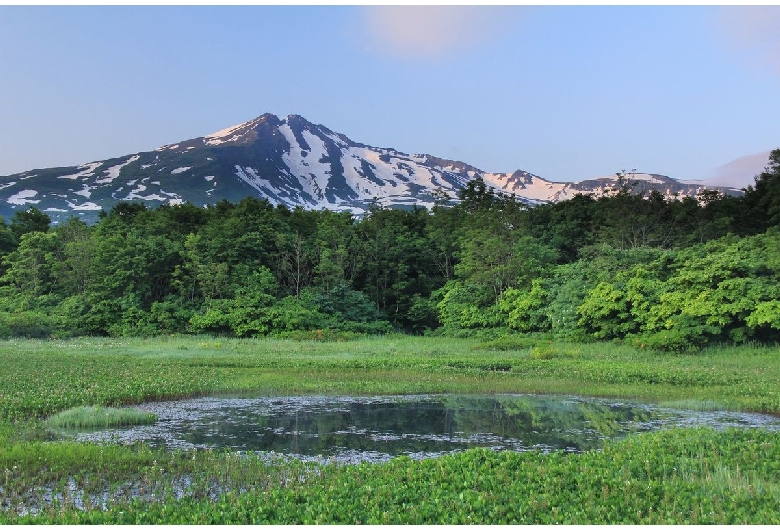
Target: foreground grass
x=686, y=476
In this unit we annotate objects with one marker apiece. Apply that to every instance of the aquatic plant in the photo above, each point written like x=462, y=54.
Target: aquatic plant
x=682, y=476
x=99, y=417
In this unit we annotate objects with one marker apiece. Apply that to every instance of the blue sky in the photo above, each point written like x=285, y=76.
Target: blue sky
x=565, y=92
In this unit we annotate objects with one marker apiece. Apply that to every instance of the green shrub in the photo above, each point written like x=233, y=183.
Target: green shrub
x=320, y=335
x=27, y=324
x=507, y=343
x=549, y=352
x=687, y=339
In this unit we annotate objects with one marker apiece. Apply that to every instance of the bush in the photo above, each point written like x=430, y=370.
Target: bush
x=506, y=343
x=293, y=314
x=549, y=352
x=670, y=340
x=27, y=324
x=320, y=335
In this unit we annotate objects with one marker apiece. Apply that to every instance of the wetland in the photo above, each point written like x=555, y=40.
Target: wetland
x=377, y=428
x=650, y=437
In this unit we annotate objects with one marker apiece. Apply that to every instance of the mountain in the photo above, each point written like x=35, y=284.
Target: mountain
x=289, y=161
x=740, y=172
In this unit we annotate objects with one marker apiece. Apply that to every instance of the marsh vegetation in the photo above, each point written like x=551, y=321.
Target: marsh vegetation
x=96, y=417
x=680, y=475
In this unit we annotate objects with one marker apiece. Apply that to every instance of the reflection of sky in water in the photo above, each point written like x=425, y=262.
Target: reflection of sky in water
x=378, y=428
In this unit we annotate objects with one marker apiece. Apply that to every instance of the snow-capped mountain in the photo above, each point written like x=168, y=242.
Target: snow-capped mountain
x=289, y=161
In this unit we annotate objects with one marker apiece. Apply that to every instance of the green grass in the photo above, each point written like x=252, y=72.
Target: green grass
x=96, y=417
x=686, y=476
x=694, y=404
x=41, y=378
x=683, y=476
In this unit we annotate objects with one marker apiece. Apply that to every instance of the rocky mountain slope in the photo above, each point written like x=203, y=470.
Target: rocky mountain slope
x=289, y=161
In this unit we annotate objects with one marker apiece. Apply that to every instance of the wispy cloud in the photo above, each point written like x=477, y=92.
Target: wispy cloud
x=754, y=32
x=414, y=32
x=741, y=172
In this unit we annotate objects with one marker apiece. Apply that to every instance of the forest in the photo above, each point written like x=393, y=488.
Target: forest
x=668, y=274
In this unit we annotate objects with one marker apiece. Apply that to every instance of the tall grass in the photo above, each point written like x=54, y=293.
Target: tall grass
x=700, y=405
x=97, y=417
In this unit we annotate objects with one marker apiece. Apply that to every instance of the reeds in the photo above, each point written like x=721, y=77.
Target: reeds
x=99, y=417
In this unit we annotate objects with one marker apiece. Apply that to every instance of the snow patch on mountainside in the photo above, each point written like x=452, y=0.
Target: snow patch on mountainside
x=136, y=193
x=217, y=141
x=233, y=133
x=90, y=169
x=218, y=137
x=628, y=178
x=526, y=185
x=306, y=164
x=380, y=175
x=166, y=147
x=251, y=177
x=86, y=192
x=84, y=207
x=113, y=172
x=23, y=197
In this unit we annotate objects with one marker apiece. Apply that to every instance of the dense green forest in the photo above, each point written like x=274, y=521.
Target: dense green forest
x=668, y=274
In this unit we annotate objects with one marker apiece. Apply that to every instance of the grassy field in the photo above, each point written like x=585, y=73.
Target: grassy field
x=674, y=476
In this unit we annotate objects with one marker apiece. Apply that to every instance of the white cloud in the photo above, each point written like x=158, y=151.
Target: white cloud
x=753, y=32
x=432, y=31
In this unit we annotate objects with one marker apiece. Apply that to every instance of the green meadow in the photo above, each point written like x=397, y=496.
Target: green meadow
x=675, y=476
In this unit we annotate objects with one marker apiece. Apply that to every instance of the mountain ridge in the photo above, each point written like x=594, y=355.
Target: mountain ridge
x=288, y=161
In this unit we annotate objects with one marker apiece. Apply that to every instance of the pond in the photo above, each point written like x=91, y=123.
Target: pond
x=350, y=429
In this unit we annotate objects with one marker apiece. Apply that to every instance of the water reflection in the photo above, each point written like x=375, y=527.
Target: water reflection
x=378, y=428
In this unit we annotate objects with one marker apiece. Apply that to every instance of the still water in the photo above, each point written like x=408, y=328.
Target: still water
x=352, y=429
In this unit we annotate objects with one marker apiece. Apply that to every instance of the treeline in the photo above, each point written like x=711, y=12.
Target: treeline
x=670, y=274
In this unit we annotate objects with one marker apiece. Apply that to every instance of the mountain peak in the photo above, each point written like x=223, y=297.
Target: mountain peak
x=237, y=132
x=289, y=161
